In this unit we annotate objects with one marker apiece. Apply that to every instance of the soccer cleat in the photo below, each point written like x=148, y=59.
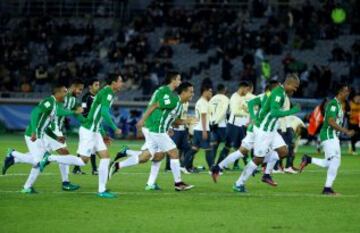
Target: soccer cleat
x=268, y=179
x=239, y=189
x=114, y=168
x=121, y=153
x=67, y=186
x=94, y=172
x=278, y=171
x=181, y=186
x=154, y=187
x=77, y=171
x=30, y=190
x=44, y=161
x=8, y=161
x=305, y=160
x=106, y=194
x=329, y=191
x=290, y=170
x=215, y=172
x=183, y=170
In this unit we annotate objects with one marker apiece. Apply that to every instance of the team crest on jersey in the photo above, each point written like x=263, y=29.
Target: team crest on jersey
x=277, y=99
x=47, y=104
x=166, y=99
x=333, y=108
x=109, y=97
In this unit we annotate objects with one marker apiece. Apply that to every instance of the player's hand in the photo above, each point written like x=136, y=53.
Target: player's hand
x=350, y=133
x=61, y=139
x=191, y=121
x=107, y=140
x=140, y=124
x=33, y=137
x=205, y=135
x=79, y=110
x=171, y=132
x=118, y=132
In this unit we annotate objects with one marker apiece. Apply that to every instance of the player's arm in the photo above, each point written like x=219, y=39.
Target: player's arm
x=147, y=113
x=275, y=108
x=105, y=113
x=61, y=111
x=43, y=107
x=220, y=112
x=331, y=112
x=251, y=105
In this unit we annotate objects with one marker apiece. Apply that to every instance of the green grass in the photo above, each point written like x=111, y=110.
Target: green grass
x=294, y=206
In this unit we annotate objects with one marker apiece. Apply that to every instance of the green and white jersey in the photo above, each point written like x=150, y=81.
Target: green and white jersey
x=169, y=110
x=266, y=120
x=41, y=117
x=258, y=101
x=57, y=126
x=333, y=110
x=103, y=99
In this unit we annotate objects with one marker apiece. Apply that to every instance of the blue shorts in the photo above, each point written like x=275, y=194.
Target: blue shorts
x=199, y=142
x=234, y=135
x=218, y=135
x=181, y=139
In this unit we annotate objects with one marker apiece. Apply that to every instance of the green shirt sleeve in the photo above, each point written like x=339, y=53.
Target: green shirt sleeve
x=275, y=106
x=61, y=111
x=331, y=110
x=168, y=101
x=251, y=104
x=35, y=115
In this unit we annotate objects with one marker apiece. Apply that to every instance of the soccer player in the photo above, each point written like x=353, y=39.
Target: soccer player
x=41, y=117
x=247, y=143
x=165, y=109
x=239, y=118
x=329, y=139
x=55, y=133
x=266, y=136
x=87, y=100
x=181, y=139
x=92, y=138
x=201, y=138
x=219, y=104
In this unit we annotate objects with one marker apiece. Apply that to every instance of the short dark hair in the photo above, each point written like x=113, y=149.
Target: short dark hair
x=77, y=81
x=170, y=75
x=205, y=87
x=341, y=86
x=220, y=88
x=243, y=84
x=183, y=87
x=272, y=84
x=112, y=78
x=92, y=81
x=57, y=86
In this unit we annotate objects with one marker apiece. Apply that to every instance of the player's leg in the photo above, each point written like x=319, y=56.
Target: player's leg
x=230, y=134
x=94, y=170
x=36, y=149
x=154, y=172
x=190, y=155
x=262, y=144
x=333, y=156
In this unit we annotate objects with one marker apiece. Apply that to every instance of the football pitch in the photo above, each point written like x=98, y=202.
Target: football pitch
x=296, y=205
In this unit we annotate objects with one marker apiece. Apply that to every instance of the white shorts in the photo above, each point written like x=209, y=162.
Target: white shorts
x=145, y=132
x=159, y=142
x=52, y=144
x=331, y=148
x=90, y=142
x=248, y=141
x=37, y=149
x=266, y=141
